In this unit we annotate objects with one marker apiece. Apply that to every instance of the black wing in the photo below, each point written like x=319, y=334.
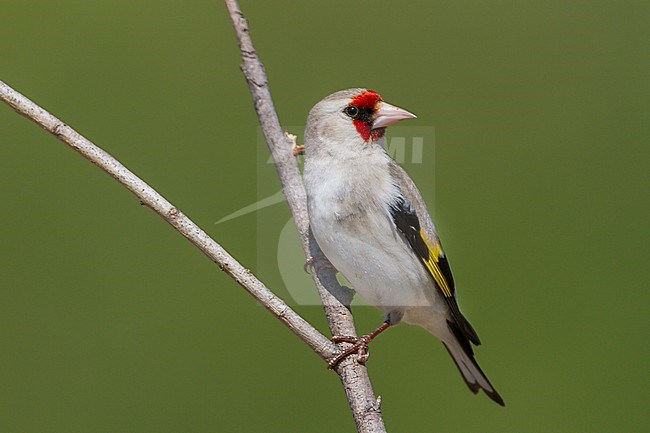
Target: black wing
x=433, y=259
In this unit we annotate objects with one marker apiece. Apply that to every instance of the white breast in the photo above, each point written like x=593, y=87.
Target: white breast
x=350, y=218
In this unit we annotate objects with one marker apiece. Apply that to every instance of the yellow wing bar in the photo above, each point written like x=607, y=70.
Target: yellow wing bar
x=432, y=265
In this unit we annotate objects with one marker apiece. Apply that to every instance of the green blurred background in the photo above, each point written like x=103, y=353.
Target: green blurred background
x=111, y=321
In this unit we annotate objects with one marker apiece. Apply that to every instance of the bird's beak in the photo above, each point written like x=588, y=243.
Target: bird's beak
x=388, y=114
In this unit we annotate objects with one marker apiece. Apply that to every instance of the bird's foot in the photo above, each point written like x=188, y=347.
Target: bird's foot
x=318, y=263
x=359, y=346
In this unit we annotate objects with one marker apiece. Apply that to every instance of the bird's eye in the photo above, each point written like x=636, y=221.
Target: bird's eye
x=351, y=111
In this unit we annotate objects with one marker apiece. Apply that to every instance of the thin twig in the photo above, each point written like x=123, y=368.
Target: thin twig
x=151, y=198
x=363, y=403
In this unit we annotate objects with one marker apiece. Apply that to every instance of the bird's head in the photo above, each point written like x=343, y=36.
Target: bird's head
x=352, y=117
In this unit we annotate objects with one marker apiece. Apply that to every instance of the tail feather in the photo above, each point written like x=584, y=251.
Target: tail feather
x=461, y=352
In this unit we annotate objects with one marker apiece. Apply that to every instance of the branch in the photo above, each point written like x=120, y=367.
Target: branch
x=365, y=407
x=149, y=197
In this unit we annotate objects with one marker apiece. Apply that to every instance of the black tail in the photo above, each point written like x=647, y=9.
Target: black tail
x=461, y=351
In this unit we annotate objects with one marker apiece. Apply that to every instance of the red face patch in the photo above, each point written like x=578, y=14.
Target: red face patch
x=367, y=99
x=363, y=128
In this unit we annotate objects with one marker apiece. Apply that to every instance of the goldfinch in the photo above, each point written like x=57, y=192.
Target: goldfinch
x=370, y=221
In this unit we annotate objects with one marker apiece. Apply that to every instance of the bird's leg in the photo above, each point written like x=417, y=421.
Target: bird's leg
x=317, y=262
x=359, y=345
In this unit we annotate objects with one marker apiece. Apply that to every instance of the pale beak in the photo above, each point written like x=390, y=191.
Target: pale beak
x=388, y=114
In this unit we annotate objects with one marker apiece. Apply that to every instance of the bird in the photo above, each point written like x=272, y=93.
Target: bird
x=370, y=221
